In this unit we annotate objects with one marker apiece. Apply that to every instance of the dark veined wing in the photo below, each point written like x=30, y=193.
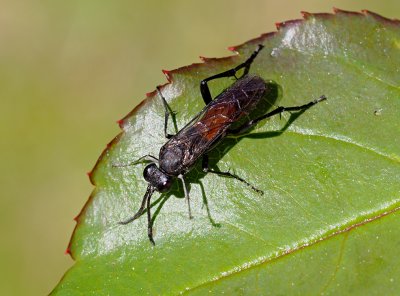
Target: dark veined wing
x=212, y=123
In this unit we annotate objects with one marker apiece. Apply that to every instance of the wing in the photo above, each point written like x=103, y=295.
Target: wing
x=211, y=124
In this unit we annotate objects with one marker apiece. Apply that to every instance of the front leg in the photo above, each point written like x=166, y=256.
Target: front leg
x=168, y=112
x=143, y=159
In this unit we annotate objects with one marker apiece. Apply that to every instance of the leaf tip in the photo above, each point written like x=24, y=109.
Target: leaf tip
x=278, y=25
x=346, y=12
x=150, y=94
x=120, y=122
x=167, y=74
x=67, y=251
x=205, y=59
x=380, y=18
x=336, y=10
x=232, y=48
x=306, y=15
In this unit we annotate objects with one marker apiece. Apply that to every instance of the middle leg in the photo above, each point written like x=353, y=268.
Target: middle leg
x=228, y=174
x=185, y=190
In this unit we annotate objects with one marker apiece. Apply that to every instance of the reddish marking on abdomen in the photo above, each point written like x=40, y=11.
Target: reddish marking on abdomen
x=215, y=124
x=217, y=118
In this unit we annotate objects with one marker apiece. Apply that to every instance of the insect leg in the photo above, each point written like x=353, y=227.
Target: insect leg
x=186, y=195
x=141, y=210
x=205, y=90
x=278, y=110
x=168, y=112
x=228, y=174
x=149, y=222
x=144, y=158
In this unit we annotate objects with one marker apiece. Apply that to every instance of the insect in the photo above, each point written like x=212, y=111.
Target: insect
x=194, y=141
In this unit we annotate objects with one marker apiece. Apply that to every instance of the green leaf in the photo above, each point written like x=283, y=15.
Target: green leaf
x=328, y=221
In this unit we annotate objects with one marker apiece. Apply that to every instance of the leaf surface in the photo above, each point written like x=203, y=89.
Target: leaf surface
x=328, y=221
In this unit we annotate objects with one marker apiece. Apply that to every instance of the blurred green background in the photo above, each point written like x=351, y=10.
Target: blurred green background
x=68, y=71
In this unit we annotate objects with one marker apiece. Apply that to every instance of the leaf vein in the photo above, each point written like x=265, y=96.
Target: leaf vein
x=344, y=139
x=390, y=209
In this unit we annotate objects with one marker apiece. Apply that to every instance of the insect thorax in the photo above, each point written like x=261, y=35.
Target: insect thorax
x=171, y=159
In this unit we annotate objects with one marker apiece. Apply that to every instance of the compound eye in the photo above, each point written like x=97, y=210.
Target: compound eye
x=149, y=171
x=165, y=184
x=157, y=178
